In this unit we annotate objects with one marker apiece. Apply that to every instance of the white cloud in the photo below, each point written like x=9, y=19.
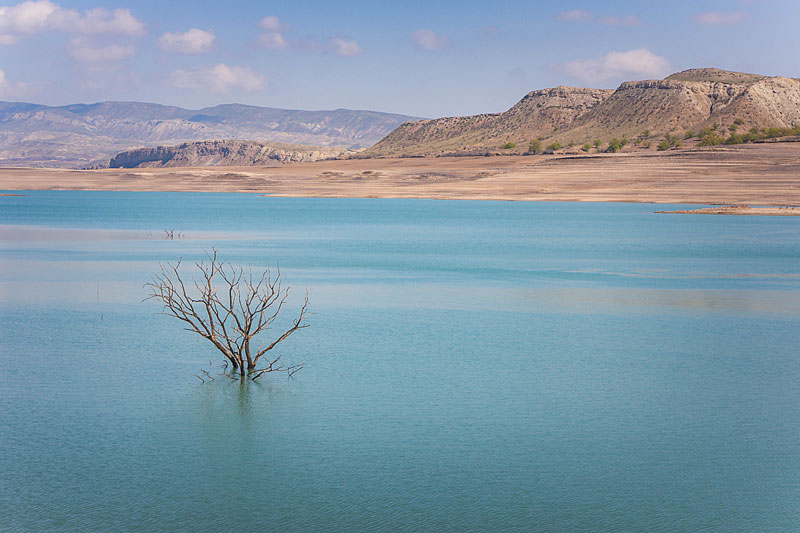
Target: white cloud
x=34, y=16
x=192, y=41
x=89, y=52
x=219, y=78
x=272, y=38
x=271, y=23
x=576, y=15
x=639, y=63
x=27, y=17
x=720, y=18
x=98, y=20
x=345, y=47
x=428, y=40
x=628, y=20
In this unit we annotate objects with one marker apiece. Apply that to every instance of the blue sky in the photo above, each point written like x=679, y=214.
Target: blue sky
x=418, y=58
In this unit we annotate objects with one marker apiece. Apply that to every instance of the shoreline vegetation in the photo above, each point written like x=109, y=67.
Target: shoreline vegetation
x=760, y=174
x=690, y=139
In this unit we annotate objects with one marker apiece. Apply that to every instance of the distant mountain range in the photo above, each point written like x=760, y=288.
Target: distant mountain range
x=689, y=100
x=155, y=135
x=82, y=135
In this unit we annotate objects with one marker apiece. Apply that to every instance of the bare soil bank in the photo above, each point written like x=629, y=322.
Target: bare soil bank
x=763, y=174
x=739, y=210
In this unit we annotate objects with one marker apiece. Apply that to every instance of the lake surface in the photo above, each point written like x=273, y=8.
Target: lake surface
x=471, y=366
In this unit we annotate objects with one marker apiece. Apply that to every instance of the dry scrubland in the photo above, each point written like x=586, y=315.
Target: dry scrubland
x=762, y=174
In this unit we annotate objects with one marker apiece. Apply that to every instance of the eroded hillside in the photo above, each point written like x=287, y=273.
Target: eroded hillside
x=223, y=153
x=685, y=101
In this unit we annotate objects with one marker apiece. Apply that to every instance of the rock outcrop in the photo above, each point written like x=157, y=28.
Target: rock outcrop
x=223, y=153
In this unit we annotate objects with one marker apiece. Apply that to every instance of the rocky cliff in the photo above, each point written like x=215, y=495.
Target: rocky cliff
x=223, y=153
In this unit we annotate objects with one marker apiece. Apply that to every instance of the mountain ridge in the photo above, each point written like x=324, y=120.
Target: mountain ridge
x=569, y=116
x=79, y=135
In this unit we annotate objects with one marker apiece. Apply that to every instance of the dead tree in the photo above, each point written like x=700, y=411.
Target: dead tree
x=232, y=307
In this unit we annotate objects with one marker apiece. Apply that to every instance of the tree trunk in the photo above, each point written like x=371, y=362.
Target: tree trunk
x=251, y=365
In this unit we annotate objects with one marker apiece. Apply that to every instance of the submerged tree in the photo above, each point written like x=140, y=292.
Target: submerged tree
x=232, y=307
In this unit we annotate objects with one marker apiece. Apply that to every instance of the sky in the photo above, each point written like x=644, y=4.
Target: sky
x=419, y=58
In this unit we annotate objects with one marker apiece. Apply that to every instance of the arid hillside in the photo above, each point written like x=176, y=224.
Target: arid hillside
x=539, y=114
x=647, y=110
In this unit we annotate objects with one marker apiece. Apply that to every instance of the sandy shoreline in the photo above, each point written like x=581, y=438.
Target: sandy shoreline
x=764, y=175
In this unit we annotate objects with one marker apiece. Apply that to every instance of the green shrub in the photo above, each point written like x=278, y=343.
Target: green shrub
x=644, y=134
x=554, y=146
x=615, y=145
x=689, y=134
x=586, y=147
x=712, y=138
x=735, y=138
x=645, y=144
x=669, y=141
x=597, y=143
x=732, y=128
x=509, y=145
x=535, y=146
x=738, y=121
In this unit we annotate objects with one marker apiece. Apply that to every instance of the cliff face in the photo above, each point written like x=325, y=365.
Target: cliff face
x=658, y=106
x=223, y=153
x=765, y=103
x=692, y=99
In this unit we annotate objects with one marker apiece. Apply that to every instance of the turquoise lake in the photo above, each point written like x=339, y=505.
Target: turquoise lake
x=470, y=366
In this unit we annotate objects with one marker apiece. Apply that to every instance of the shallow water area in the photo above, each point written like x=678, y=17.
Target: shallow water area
x=470, y=366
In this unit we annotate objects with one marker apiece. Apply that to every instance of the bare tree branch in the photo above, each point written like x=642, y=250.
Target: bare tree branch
x=231, y=307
